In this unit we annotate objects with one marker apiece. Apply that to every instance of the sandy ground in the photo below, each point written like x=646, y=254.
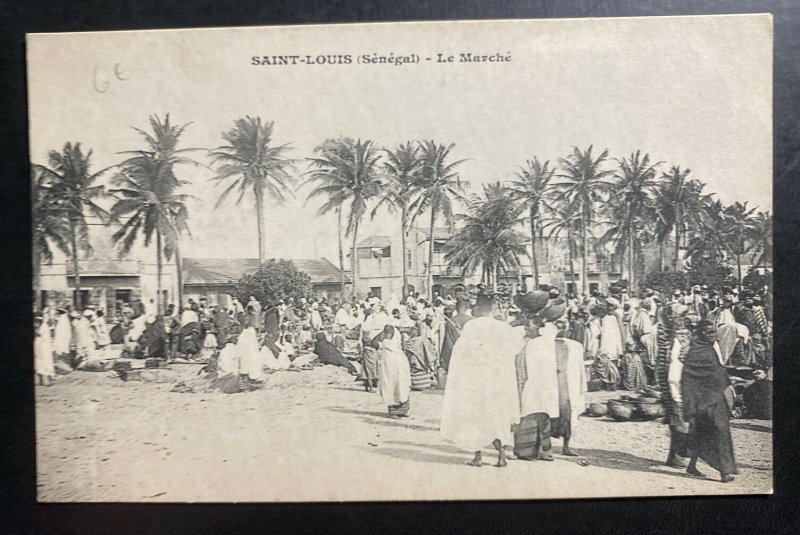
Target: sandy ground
x=316, y=435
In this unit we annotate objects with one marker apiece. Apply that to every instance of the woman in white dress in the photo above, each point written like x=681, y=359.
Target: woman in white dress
x=43, y=352
x=63, y=335
x=100, y=327
x=252, y=364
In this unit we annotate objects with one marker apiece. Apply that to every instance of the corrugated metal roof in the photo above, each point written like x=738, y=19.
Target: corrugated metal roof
x=215, y=271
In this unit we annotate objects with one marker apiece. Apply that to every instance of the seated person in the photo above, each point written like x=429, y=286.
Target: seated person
x=328, y=354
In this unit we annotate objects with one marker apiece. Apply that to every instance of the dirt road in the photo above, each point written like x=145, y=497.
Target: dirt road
x=316, y=435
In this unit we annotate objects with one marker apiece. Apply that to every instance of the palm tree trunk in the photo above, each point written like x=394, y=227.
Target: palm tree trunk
x=570, y=245
x=354, y=256
x=739, y=270
x=403, y=224
x=661, y=259
x=179, y=270
x=341, y=249
x=262, y=250
x=533, y=250
x=37, y=283
x=159, y=270
x=677, y=242
x=584, y=266
x=630, y=258
x=430, y=255
x=76, y=268
x=496, y=275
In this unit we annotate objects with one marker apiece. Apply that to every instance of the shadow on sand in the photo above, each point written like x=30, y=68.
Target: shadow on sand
x=382, y=418
x=417, y=455
x=751, y=427
x=617, y=460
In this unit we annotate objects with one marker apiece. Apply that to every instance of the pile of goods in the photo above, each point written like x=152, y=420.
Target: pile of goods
x=627, y=408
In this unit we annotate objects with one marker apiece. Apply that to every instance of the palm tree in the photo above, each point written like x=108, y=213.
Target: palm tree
x=435, y=189
x=636, y=182
x=146, y=198
x=249, y=162
x=763, y=238
x=531, y=188
x=144, y=192
x=49, y=227
x=346, y=171
x=711, y=237
x=74, y=186
x=564, y=221
x=487, y=238
x=680, y=203
x=742, y=229
x=584, y=186
x=402, y=167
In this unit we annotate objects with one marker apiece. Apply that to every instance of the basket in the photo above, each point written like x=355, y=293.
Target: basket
x=598, y=409
x=650, y=411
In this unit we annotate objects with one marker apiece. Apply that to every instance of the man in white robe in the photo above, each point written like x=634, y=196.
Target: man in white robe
x=480, y=400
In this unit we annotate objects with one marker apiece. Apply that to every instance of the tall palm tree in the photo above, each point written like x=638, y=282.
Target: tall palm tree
x=145, y=194
x=402, y=167
x=531, y=188
x=49, y=228
x=710, y=239
x=73, y=183
x=763, y=237
x=146, y=200
x=435, y=189
x=636, y=182
x=565, y=221
x=584, y=185
x=487, y=238
x=742, y=231
x=346, y=171
x=680, y=203
x=250, y=163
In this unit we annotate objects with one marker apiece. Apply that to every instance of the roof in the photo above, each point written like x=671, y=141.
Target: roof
x=216, y=271
x=439, y=233
x=114, y=266
x=375, y=242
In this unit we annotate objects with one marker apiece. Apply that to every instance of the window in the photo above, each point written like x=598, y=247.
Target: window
x=122, y=295
x=376, y=291
x=594, y=287
x=570, y=287
x=438, y=246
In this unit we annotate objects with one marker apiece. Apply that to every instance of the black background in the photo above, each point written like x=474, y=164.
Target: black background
x=21, y=513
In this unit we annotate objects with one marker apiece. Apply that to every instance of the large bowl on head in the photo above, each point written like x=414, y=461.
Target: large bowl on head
x=621, y=411
x=531, y=302
x=598, y=409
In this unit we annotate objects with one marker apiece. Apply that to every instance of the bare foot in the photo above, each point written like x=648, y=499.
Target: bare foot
x=546, y=458
x=501, y=463
x=569, y=453
x=474, y=463
x=726, y=478
x=674, y=463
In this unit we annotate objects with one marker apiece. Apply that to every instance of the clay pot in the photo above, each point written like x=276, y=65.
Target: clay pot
x=622, y=411
x=598, y=409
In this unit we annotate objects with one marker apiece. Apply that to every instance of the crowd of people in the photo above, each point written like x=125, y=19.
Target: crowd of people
x=513, y=368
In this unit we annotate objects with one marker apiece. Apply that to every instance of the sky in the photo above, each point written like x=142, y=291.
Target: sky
x=690, y=91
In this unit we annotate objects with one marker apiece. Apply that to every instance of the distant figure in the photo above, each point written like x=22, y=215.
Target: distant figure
x=43, y=352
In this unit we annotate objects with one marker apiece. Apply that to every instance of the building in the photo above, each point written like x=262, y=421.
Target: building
x=107, y=278
x=215, y=278
x=380, y=267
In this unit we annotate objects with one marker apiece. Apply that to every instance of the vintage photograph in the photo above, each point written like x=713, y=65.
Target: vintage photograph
x=511, y=259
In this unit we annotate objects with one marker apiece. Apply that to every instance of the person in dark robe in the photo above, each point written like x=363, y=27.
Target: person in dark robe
x=703, y=384
x=452, y=331
x=272, y=323
x=421, y=358
x=154, y=339
x=328, y=354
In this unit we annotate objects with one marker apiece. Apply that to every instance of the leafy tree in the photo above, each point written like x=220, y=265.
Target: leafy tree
x=487, y=238
x=346, y=171
x=742, y=232
x=435, y=189
x=585, y=186
x=402, y=167
x=711, y=272
x=74, y=186
x=274, y=280
x=755, y=282
x=249, y=162
x=666, y=281
x=531, y=188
